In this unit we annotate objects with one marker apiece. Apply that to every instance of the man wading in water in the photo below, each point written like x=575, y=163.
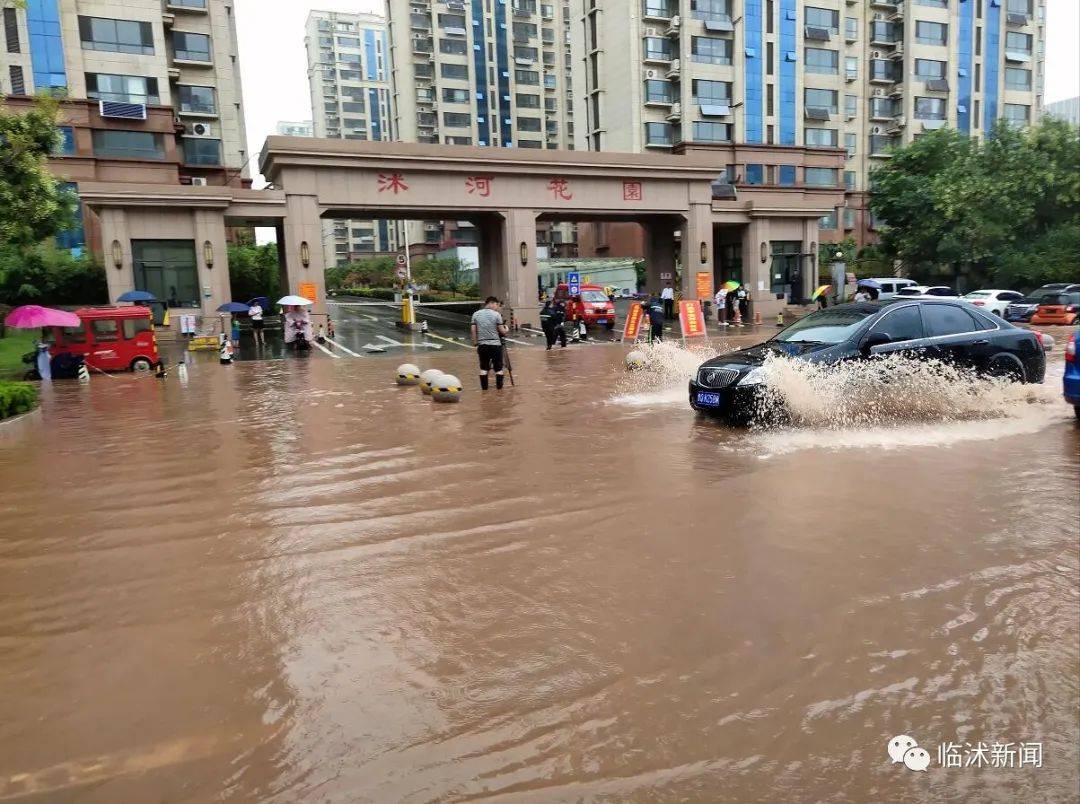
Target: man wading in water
x=487, y=331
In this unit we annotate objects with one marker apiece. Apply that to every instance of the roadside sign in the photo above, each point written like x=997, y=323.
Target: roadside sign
x=573, y=283
x=665, y=275
x=401, y=260
x=308, y=291
x=633, y=322
x=400, y=273
x=691, y=319
x=704, y=285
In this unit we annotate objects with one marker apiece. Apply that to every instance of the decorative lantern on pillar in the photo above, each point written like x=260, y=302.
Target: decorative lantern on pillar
x=117, y=254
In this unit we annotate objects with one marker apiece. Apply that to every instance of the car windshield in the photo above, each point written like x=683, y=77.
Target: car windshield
x=1062, y=299
x=977, y=294
x=825, y=326
x=593, y=296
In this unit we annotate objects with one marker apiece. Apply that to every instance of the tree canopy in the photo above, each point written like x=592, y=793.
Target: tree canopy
x=1001, y=209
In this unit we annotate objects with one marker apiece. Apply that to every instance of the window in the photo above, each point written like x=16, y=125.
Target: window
x=710, y=50
x=122, y=88
x=851, y=28
x=819, y=60
x=135, y=326
x=528, y=124
x=459, y=140
x=929, y=108
x=526, y=53
x=452, y=21
x=453, y=47
x=454, y=71
x=656, y=8
x=884, y=70
x=1019, y=7
x=851, y=105
x=945, y=319
x=352, y=106
x=527, y=101
x=529, y=144
x=116, y=36
x=821, y=99
x=823, y=18
x=881, y=31
x=11, y=30
x=348, y=41
x=710, y=9
x=933, y=3
x=524, y=31
x=659, y=91
x=75, y=334
x=66, y=146
x=353, y=122
x=819, y=177
x=711, y=93
x=191, y=46
x=18, y=81
x=198, y=100
x=929, y=69
x=901, y=324
x=1017, y=78
x=821, y=137
x=828, y=221
x=851, y=66
x=131, y=144
x=105, y=330
x=349, y=75
x=1017, y=114
x=1016, y=42
x=455, y=95
x=931, y=33
x=658, y=134
x=849, y=178
x=167, y=268
x=712, y=132
x=529, y=77
x=787, y=175
x=755, y=174
x=202, y=151
x=457, y=119
x=657, y=48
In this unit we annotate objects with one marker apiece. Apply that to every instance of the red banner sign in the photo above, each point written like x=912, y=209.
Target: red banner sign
x=691, y=319
x=633, y=322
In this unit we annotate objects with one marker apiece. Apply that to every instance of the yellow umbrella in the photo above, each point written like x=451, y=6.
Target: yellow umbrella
x=820, y=290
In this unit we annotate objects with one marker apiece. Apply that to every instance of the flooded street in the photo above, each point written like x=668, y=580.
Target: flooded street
x=291, y=580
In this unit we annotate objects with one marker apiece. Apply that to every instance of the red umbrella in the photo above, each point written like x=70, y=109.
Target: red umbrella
x=31, y=316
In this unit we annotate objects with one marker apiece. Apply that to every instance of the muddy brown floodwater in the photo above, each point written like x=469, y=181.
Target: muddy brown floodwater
x=293, y=581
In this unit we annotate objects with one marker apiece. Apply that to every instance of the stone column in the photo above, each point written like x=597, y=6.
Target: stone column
x=508, y=277
x=303, y=225
x=758, y=274
x=114, y=227
x=210, y=227
x=696, y=231
x=659, y=254
x=492, y=277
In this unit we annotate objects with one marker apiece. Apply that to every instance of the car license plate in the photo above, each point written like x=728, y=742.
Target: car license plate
x=708, y=400
x=601, y=321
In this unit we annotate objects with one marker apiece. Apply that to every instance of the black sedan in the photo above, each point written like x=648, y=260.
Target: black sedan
x=950, y=331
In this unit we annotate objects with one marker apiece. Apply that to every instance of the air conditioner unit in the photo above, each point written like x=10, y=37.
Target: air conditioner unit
x=199, y=130
x=198, y=181
x=675, y=66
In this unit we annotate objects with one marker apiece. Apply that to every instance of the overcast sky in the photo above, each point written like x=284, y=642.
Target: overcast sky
x=274, y=67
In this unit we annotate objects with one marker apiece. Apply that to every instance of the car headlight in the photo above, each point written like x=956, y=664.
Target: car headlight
x=755, y=377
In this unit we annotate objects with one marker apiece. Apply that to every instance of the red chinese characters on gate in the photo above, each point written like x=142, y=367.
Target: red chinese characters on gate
x=560, y=188
x=631, y=191
x=394, y=182
x=478, y=185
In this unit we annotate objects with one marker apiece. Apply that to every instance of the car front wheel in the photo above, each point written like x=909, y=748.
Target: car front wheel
x=140, y=364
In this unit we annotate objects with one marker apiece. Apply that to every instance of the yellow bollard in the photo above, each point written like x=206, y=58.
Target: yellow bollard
x=779, y=319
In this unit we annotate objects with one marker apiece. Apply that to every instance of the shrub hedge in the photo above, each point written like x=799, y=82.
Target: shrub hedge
x=16, y=398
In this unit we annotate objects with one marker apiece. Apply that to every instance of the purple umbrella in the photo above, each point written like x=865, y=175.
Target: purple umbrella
x=31, y=316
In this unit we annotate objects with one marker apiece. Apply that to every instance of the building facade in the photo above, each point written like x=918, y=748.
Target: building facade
x=862, y=75
x=149, y=91
x=295, y=128
x=349, y=77
x=484, y=74
x=1067, y=110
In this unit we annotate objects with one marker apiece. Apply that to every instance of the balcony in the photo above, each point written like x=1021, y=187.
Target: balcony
x=421, y=46
x=188, y=6
x=653, y=10
x=658, y=56
x=898, y=13
x=1017, y=20
x=887, y=5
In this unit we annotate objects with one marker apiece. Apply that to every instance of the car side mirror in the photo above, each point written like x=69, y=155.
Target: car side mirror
x=874, y=339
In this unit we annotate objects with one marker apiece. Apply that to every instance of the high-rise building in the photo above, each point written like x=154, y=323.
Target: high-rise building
x=295, y=128
x=487, y=74
x=349, y=76
x=863, y=75
x=1067, y=110
x=149, y=90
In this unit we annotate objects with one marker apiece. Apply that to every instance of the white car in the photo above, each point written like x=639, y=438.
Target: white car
x=890, y=285
x=926, y=292
x=993, y=301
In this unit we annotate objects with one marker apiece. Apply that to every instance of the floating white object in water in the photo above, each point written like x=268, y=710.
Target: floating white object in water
x=425, y=380
x=446, y=388
x=636, y=360
x=408, y=374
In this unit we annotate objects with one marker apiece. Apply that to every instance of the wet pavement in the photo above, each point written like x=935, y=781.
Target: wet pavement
x=291, y=580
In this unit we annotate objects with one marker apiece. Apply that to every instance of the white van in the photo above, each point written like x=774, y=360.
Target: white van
x=891, y=284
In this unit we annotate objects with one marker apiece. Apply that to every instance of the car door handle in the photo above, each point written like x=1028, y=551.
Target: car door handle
x=982, y=342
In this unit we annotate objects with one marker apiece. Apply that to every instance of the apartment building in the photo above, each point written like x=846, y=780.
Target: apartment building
x=349, y=77
x=1067, y=110
x=295, y=128
x=483, y=73
x=149, y=90
x=863, y=75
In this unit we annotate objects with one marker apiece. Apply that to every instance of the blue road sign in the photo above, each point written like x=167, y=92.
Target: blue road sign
x=573, y=282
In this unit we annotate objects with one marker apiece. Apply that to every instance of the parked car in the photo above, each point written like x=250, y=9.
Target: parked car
x=927, y=292
x=598, y=309
x=1023, y=309
x=993, y=301
x=1072, y=375
x=110, y=339
x=1062, y=309
x=950, y=331
x=890, y=285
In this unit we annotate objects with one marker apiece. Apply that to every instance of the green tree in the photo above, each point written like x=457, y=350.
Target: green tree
x=47, y=275
x=254, y=271
x=33, y=205
x=438, y=273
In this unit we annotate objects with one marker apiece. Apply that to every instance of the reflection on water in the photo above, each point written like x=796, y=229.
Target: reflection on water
x=293, y=580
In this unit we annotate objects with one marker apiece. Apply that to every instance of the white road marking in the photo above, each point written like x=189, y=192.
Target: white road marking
x=345, y=349
x=318, y=345
x=390, y=341
x=449, y=340
x=522, y=343
x=371, y=347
